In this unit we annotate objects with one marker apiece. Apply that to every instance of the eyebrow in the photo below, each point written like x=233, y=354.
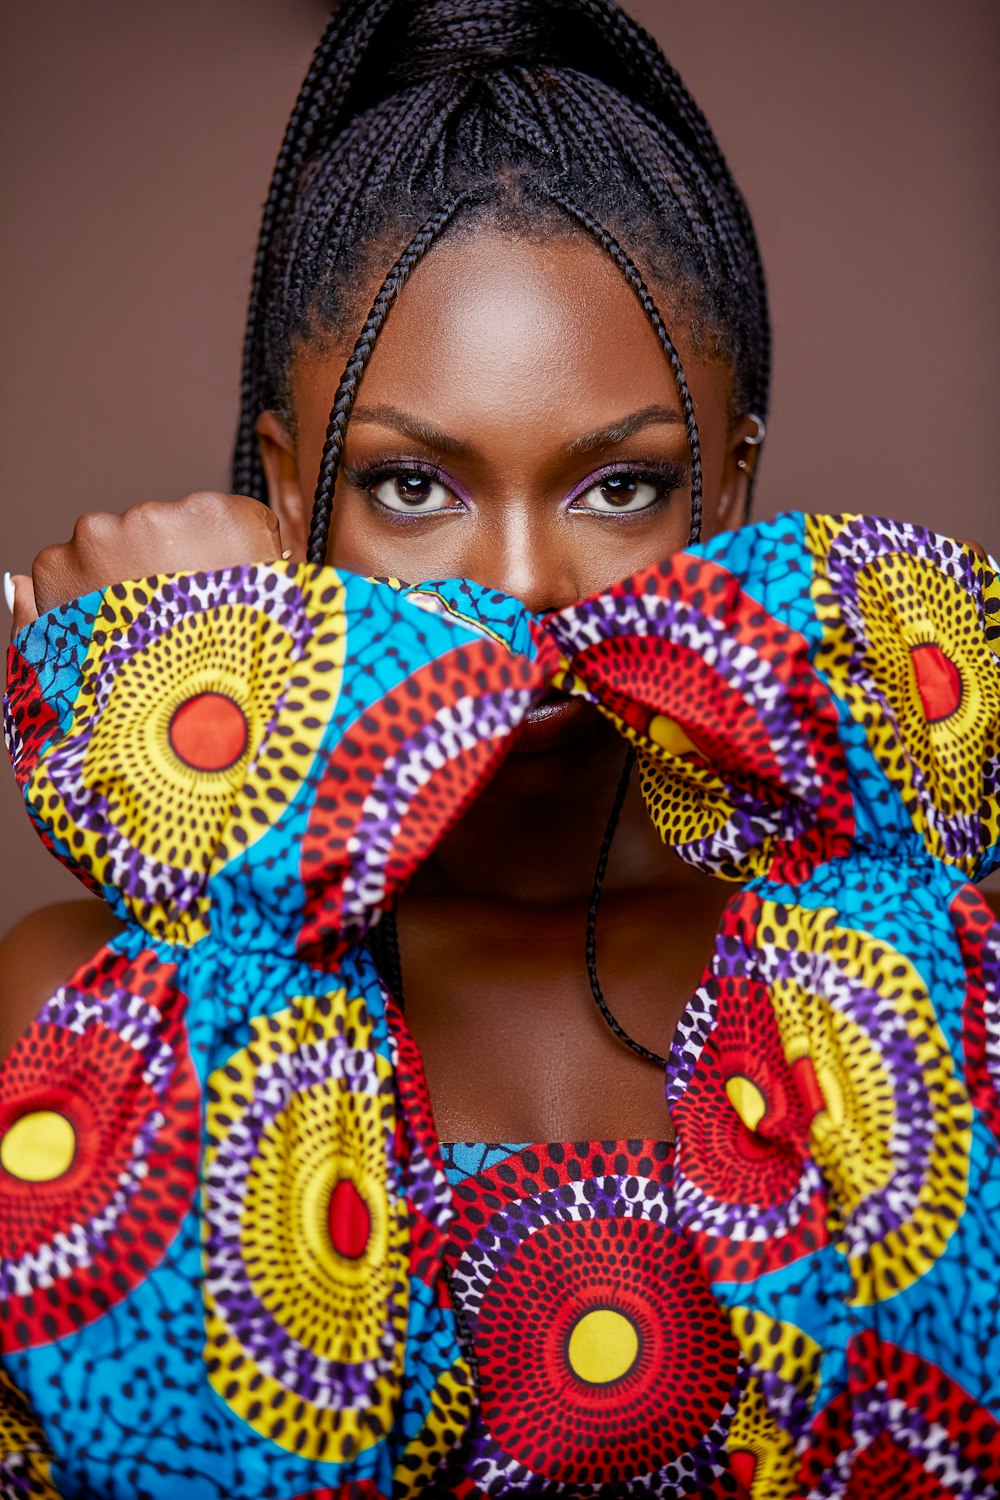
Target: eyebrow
x=604, y=437
x=625, y=427
x=409, y=426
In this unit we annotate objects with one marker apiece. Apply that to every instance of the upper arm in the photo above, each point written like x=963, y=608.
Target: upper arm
x=41, y=952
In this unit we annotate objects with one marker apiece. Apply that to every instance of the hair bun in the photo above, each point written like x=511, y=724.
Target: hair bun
x=461, y=36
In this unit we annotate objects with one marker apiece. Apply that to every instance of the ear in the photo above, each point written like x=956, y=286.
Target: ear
x=279, y=458
x=737, y=476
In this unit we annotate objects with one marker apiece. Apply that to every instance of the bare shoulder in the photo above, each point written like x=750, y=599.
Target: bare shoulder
x=41, y=952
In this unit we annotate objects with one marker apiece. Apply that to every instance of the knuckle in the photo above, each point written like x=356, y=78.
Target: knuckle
x=92, y=523
x=48, y=558
x=205, y=499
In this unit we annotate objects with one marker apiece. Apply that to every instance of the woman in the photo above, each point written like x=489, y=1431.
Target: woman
x=235, y=1258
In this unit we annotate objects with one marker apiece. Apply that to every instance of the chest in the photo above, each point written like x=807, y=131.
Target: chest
x=500, y=1003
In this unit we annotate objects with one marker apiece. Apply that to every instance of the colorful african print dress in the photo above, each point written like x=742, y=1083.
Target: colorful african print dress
x=234, y=1261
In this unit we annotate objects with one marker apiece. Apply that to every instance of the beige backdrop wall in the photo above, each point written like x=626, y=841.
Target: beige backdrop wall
x=137, y=146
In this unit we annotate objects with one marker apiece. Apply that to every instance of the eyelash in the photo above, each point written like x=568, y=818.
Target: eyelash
x=667, y=476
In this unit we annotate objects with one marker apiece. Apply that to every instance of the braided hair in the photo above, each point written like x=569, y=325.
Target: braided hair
x=419, y=118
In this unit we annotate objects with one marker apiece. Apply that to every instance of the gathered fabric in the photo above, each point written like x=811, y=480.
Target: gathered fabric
x=227, y=1249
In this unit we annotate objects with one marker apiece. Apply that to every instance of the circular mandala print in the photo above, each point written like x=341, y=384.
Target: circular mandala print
x=602, y=1357
x=306, y=1276
x=746, y=1186
x=891, y=1122
x=905, y=645
x=740, y=757
x=177, y=757
x=99, y=1148
x=906, y=1429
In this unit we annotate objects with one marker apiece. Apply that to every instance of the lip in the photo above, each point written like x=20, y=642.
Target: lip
x=549, y=725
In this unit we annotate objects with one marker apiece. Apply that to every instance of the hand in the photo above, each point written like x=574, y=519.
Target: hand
x=204, y=530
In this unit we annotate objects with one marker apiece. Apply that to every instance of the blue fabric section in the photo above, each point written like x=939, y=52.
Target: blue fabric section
x=468, y=1158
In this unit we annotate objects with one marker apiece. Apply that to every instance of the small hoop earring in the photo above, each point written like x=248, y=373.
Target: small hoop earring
x=753, y=442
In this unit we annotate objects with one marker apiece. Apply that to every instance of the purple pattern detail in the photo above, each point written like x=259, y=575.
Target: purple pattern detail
x=795, y=799
x=573, y=1202
x=273, y=590
x=457, y=729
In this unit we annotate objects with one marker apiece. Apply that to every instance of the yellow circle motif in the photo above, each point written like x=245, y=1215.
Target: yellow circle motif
x=39, y=1147
x=179, y=745
x=747, y=1100
x=603, y=1346
x=894, y=1133
x=326, y=1302
x=910, y=622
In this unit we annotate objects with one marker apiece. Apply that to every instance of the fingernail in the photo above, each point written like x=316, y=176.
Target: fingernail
x=286, y=554
x=8, y=591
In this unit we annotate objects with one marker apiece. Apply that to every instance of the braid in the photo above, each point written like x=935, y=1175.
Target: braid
x=351, y=378
x=526, y=113
x=628, y=269
x=321, y=95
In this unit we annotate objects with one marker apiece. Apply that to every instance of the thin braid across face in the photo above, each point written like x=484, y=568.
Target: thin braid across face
x=347, y=390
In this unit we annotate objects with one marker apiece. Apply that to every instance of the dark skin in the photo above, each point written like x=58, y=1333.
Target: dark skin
x=518, y=355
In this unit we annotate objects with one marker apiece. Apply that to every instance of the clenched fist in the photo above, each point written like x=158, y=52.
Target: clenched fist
x=204, y=530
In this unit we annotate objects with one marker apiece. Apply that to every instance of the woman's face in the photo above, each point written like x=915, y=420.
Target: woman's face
x=518, y=424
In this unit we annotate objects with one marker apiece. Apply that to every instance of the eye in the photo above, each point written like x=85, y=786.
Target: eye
x=626, y=491
x=413, y=493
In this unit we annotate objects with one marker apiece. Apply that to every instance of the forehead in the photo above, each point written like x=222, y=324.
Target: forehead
x=500, y=329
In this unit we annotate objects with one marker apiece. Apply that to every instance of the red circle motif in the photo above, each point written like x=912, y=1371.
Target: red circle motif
x=939, y=682
x=548, y=1247
x=112, y=1059
x=209, y=732
x=349, y=1220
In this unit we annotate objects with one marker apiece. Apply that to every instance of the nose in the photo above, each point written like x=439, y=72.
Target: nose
x=532, y=562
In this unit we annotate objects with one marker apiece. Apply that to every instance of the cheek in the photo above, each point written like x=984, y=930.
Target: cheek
x=605, y=552
x=362, y=542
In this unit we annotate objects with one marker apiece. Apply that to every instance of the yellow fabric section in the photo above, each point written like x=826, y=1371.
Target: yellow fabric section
x=38, y=1147
x=854, y=1137
x=768, y=1453
x=450, y=1413
x=602, y=1346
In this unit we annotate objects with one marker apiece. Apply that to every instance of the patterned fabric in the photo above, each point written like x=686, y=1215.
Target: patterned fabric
x=602, y=1356
x=231, y=1262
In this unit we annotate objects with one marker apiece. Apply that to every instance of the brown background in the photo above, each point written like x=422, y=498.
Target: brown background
x=138, y=143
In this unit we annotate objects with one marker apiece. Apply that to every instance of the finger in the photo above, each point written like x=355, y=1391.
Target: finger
x=21, y=598
x=270, y=520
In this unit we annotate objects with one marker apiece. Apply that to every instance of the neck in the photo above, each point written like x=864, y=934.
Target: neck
x=534, y=833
